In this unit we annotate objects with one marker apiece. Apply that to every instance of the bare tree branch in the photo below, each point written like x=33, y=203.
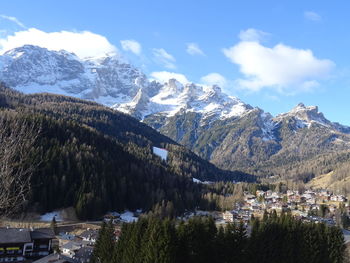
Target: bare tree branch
x=17, y=139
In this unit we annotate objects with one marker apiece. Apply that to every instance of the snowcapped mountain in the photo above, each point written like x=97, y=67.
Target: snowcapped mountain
x=174, y=97
x=306, y=116
x=113, y=82
x=220, y=128
x=106, y=80
x=255, y=141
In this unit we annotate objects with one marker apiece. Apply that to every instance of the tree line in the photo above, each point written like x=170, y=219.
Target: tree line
x=272, y=239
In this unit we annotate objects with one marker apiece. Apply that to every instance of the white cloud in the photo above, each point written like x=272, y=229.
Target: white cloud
x=193, y=49
x=164, y=58
x=132, y=46
x=283, y=68
x=13, y=19
x=313, y=16
x=214, y=79
x=252, y=34
x=164, y=76
x=83, y=44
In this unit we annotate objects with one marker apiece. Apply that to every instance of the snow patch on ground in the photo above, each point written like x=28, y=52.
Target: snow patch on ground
x=128, y=217
x=197, y=181
x=48, y=216
x=162, y=153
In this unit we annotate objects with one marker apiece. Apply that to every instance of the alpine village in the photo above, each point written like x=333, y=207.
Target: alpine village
x=109, y=155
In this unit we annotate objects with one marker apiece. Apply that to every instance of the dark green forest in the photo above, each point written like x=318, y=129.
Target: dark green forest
x=96, y=159
x=273, y=239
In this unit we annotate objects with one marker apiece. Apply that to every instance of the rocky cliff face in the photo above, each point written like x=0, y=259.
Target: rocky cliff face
x=106, y=80
x=255, y=141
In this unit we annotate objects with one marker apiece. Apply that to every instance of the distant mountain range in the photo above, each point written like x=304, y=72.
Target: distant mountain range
x=233, y=135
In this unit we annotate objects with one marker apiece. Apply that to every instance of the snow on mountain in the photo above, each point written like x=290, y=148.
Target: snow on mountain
x=106, y=80
x=174, y=97
x=268, y=126
x=306, y=116
x=113, y=82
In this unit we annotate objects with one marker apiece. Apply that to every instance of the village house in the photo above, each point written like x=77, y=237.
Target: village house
x=338, y=198
x=228, y=216
x=249, y=198
x=56, y=258
x=260, y=193
x=70, y=248
x=89, y=235
x=18, y=245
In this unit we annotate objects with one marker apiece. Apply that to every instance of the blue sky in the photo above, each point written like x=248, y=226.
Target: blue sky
x=271, y=54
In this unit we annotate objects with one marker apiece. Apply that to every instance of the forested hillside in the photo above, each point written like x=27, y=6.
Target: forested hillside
x=95, y=159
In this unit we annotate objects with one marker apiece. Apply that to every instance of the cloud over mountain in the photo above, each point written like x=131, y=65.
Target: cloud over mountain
x=82, y=43
x=164, y=76
x=214, y=79
x=132, y=46
x=194, y=49
x=164, y=58
x=282, y=68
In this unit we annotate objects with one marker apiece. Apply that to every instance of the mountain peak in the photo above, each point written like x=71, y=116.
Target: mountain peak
x=31, y=50
x=305, y=116
x=302, y=107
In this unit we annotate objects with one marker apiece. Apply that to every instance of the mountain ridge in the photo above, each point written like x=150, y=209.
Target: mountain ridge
x=219, y=128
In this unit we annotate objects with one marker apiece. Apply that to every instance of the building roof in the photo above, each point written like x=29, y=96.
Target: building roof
x=71, y=245
x=14, y=235
x=18, y=235
x=84, y=254
x=42, y=233
x=90, y=234
x=56, y=258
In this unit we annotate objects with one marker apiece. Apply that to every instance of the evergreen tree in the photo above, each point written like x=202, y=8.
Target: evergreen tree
x=168, y=243
x=335, y=244
x=105, y=244
x=53, y=225
x=119, y=253
x=151, y=243
x=265, y=216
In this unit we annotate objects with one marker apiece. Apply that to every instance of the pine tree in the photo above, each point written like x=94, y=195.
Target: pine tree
x=168, y=242
x=53, y=225
x=183, y=247
x=133, y=246
x=273, y=215
x=221, y=246
x=151, y=242
x=241, y=241
x=96, y=255
x=119, y=254
x=105, y=244
x=265, y=216
x=335, y=244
